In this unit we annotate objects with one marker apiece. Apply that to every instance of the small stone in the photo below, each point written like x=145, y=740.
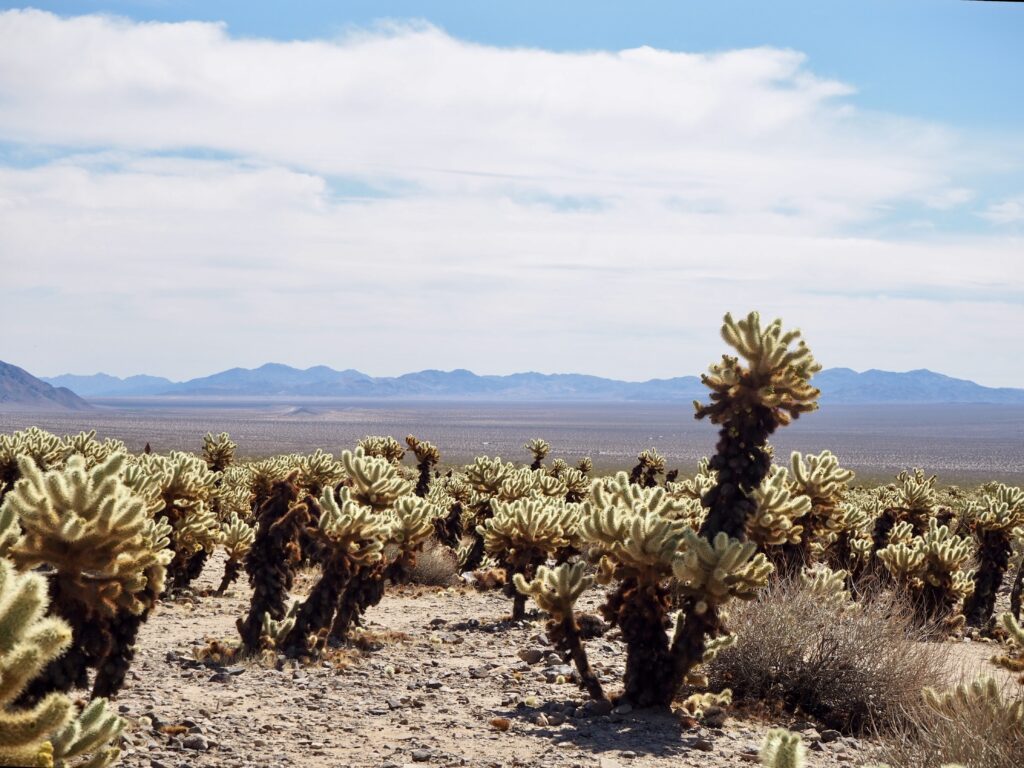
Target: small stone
x=714, y=717
x=830, y=735
x=433, y=684
x=195, y=741
x=623, y=709
x=421, y=755
x=540, y=719
x=500, y=723
x=531, y=655
x=704, y=745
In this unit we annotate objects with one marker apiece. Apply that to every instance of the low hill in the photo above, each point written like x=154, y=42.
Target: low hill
x=20, y=390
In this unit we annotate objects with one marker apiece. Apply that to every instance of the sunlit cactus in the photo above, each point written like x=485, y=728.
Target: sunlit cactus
x=539, y=449
x=782, y=749
x=487, y=478
x=556, y=590
x=427, y=457
x=1013, y=658
x=317, y=471
x=46, y=451
x=696, y=487
x=777, y=523
x=237, y=538
x=107, y=558
x=49, y=732
x=94, y=451
x=649, y=464
x=715, y=572
x=585, y=465
x=932, y=568
x=411, y=524
x=577, y=484
x=353, y=536
x=985, y=699
x=548, y=486
x=996, y=520
x=827, y=585
x=382, y=447
x=374, y=481
x=820, y=479
x=218, y=451
x=914, y=503
x=186, y=488
x=523, y=534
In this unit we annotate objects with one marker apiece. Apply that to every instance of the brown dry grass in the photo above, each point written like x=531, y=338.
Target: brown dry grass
x=850, y=669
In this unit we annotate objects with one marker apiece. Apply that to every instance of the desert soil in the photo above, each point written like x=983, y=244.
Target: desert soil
x=442, y=666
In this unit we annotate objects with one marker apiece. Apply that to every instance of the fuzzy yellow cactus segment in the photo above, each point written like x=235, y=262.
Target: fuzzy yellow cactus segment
x=385, y=447
x=819, y=477
x=274, y=631
x=775, y=521
x=218, y=451
x=45, y=449
x=237, y=537
x=518, y=484
x=352, y=527
x=726, y=568
x=423, y=450
x=235, y=495
x=916, y=492
x=556, y=590
x=486, y=476
x=539, y=449
x=95, y=452
x=319, y=470
x=980, y=696
x=640, y=529
x=412, y=523
x=577, y=484
x=996, y=513
x=88, y=737
x=28, y=642
x=90, y=527
x=697, y=486
x=525, y=526
x=826, y=584
x=9, y=529
x=1013, y=658
x=186, y=488
x=375, y=482
x=547, y=486
x=782, y=749
x=775, y=376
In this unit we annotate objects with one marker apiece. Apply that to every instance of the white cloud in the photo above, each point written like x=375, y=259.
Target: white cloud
x=594, y=211
x=1009, y=211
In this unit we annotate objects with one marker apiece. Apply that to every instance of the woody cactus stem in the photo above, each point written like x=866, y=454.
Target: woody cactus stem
x=993, y=561
x=271, y=559
x=1017, y=591
x=427, y=456
x=749, y=402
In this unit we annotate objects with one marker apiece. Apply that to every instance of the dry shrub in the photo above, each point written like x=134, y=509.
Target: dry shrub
x=436, y=566
x=966, y=734
x=851, y=668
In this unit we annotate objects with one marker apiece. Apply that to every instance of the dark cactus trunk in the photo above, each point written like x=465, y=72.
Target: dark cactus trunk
x=364, y=590
x=232, y=570
x=318, y=609
x=993, y=562
x=565, y=636
x=640, y=610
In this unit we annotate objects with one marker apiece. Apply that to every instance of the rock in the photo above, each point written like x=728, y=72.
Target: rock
x=433, y=684
x=195, y=741
x=597, y=708
x=623, y=709
x=531, y=655
x=714, y=717
x=830, y=735
x=500, y=723
x=704, y=745
x=421, y=755
x=540, y=719
x=478, y=673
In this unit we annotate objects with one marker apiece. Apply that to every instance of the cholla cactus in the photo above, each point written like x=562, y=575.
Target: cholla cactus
x=95, y=452
x=219, y=451
x=427, y=457
x=915, y=503
x=186, y=488
x=522, y=535
x=487, y=478
x=697, y=486
x=996, y=521
x=820, y=479
x=108, y=562
x=649, y=464
x=778, y=518
x=386, y=448
x=782, y=749
x=556, y=590
x=585, y=465
x=271, y=559
x=410, y=525
x=317, y=471
x=237, y=538
x=577, y=484
x=932, y=568
x=540, y=449
x=353, y=537
x=826, y=584
x=374, y=481
x=981, y=696
x=714, y=572
x=1013, y=659
x=46, y=451
x=50, y=732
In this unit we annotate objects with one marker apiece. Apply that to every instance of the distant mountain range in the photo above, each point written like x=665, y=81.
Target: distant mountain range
x=20, y=390
x=838, y=385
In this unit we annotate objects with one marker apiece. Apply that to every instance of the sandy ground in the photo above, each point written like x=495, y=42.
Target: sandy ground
x=425, y=696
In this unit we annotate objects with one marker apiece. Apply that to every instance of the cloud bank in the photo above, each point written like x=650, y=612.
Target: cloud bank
x=176, y=201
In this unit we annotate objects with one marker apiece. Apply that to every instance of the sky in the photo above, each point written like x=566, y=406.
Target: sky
x=561, y=187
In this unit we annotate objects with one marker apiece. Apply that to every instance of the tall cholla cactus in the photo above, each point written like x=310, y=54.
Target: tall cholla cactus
x=915, y=504
x=931, y=567
x=353, y=537
x=46, y=451
x=523, y=534
x=237, y=538
x=374, y=481
x=50, y=732
x=540, y=449
x=219, y=451
x=427, y=457
x=94, y=451
x=820, y=479
x=996, y=520
x=556, y=590
x=487, y=478
x=108, y=559
x=186, y=487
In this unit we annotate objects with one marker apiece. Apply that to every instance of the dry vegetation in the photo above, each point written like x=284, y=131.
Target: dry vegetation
x=627, y=613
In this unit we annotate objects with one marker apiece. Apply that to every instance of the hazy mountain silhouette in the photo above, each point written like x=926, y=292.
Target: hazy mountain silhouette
x=838, y=385
x=21, y=390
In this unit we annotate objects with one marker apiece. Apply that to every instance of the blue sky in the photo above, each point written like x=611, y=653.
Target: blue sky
x=507, y=186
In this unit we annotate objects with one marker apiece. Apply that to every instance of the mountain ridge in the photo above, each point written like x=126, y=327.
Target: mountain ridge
x=838, y=385
x=19, y=389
